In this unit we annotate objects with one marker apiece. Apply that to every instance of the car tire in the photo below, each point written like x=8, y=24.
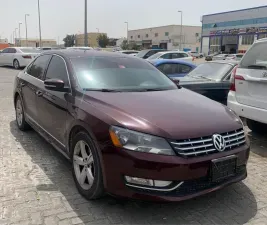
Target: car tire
x=16, y=64
x=201, y=56
x=20, y=115
x=256, y=127
x=86, y=167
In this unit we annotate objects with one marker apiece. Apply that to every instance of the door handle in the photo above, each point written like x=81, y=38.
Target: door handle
x=22, y=84
x=39, y=93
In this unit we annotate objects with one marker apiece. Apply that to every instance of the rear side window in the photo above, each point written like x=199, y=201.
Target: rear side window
x=256, y=55
x=38, y=67
x=12, y=50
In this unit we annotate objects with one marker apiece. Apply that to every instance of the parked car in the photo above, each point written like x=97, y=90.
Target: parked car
x=127, y=129
x=144, y=54
x=210, y=56
x=197, y=54
x=173, y=68
x=172, y=55
x=81, y=48
x=128, y=52
x=248, y=92
x=211, y=79
x=17, y=57
x=236, y=57
x=219, y=57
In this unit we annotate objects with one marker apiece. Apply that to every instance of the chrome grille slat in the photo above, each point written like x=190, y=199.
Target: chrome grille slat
x=204, y=145
x=198, y=152
x=191, y=142
x=235, y=139
x=194, y=147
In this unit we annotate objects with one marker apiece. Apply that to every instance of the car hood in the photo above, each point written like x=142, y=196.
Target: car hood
x=174, y=114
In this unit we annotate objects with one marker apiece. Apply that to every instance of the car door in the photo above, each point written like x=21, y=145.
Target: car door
x=3, y=56
x=11, y=55
x=53, y=104
x=30, y=81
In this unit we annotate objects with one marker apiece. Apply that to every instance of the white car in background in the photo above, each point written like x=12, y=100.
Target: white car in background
x=81, y=48
x=172, y=55
x=248, y=91
x=18, y=56
x=197, y=54
x=220, y=57
x=236, y=57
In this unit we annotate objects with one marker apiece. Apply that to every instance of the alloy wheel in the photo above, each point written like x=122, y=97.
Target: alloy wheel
x=16, y=64
x=83, y=163
x=19, y=112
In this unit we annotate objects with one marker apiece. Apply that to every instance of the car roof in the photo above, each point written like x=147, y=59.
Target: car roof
x=173, y=52
x=77, y=53
x=147, y=50
x=230, y=62
x=157, y=62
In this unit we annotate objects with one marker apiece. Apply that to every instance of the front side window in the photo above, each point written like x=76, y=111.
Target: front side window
x=57, y=70
x=38, y=67
x=12, y=50
x=166, y=56
x=119, y=73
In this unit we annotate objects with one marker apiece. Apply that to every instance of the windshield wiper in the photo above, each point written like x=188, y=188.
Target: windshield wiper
x=154, y=89
x=101, y=90
x=259, y=67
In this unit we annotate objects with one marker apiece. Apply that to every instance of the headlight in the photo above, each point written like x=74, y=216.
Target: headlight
x=135, y=141
x=237, y=117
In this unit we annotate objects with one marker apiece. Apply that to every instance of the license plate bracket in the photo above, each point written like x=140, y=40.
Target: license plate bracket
x=223, y=168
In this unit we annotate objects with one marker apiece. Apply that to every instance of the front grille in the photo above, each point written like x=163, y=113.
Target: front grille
x=204, y=145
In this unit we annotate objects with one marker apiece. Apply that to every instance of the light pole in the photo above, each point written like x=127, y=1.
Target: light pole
x=85, y=24
x=127, y=31
x=40, y=32
x=16, y=35
x=181, y=31
x=19, y=34
x=26, y=28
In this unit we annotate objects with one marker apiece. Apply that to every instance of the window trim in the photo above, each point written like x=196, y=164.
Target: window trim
x=65, y=67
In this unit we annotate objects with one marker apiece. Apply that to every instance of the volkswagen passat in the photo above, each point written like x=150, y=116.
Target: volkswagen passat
x=127, y=128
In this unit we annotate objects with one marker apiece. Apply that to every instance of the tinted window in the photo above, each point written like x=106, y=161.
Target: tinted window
x=57, y=69
x=12, y=50
x=127, y=74
x=166, y=56
x=150, y=53
x=38, y=67
x=182, y=55
x=175, y=55
x=214, y=71
x=6, y=50
x=174, y=68
x=256, y=55
x=155, y=56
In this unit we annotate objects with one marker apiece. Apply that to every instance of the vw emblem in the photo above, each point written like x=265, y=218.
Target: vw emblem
x=218, y=142
x=264, y=74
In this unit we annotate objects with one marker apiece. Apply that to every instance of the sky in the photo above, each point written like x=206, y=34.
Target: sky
x=62, y=17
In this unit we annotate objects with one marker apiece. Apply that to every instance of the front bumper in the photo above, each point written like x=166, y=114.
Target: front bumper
x=194, y=173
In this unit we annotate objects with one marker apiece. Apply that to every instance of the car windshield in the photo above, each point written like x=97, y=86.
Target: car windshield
x=119, y=74
x=29, y=50
x=213, y=71
x=142, y=53
x=155, y=56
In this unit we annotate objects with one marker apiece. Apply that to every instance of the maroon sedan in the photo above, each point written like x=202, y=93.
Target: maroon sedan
x=127, y=128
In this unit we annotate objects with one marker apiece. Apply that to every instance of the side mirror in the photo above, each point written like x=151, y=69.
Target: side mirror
x=54, y=85
x=177, y=82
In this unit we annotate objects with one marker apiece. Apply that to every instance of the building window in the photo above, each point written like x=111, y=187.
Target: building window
x=138, y=36
x=166, y=33
x=216, y=40
x=131, y=37
x=156, y=34
x=247, y=39
x=147, y=35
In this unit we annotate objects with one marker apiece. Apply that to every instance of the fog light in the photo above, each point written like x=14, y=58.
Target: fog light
x=161, y=183
x=139, y=181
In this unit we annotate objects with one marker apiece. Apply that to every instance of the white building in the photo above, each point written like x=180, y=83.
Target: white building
x=3, y=41
x=168, y=37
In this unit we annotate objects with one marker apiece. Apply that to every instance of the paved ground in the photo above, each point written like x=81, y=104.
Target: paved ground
x=36, y=186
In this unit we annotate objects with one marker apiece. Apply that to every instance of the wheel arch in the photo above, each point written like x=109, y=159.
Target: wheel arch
x=78, y=126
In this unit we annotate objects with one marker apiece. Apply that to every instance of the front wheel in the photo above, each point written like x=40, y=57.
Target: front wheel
x=86, y=167
x=257, y=127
